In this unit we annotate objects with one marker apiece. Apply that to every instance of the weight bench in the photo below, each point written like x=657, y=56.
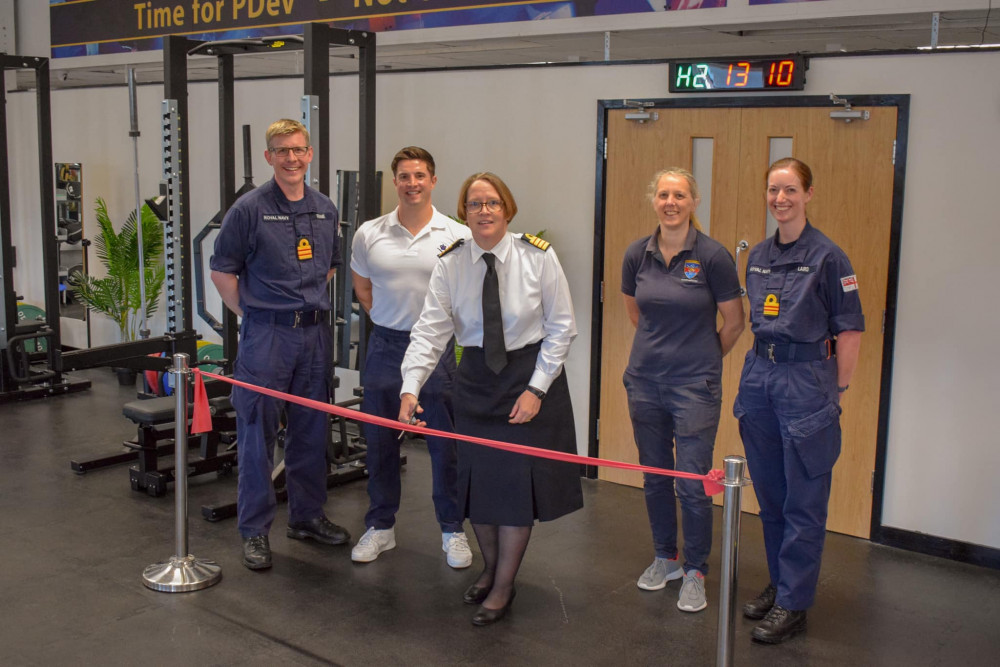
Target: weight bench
x=155, y=438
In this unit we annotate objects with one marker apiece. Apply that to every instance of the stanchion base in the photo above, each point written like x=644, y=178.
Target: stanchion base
x=180, y=575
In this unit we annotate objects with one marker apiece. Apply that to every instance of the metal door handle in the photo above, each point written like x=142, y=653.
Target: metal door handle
x=741, y=247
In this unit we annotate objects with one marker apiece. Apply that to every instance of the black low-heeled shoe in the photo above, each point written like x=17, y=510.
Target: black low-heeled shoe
x=486, y=616
x=476, y=594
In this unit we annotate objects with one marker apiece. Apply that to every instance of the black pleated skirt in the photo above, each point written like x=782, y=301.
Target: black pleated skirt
x=504, y=488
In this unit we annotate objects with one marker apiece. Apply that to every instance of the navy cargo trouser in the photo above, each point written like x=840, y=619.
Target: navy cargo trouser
x=294, y=360
x=789, y=418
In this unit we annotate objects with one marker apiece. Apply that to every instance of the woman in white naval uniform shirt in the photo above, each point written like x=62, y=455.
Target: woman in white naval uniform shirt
x=525, y=402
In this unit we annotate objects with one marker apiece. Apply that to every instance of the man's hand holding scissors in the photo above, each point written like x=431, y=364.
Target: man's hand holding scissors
x=409, y=408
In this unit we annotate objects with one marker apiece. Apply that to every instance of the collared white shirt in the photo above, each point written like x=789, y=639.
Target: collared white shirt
x=399, y=264
x=534, y=299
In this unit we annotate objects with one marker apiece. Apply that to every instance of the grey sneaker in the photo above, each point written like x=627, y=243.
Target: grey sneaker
x=692, y=597
x=372, y=543
x=659, y=573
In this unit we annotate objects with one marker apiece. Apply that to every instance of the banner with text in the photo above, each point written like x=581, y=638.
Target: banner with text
x=90, y=27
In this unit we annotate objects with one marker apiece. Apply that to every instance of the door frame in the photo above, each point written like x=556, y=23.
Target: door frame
x=902, y=104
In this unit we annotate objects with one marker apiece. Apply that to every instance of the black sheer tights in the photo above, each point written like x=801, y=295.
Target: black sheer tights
x=503, y=548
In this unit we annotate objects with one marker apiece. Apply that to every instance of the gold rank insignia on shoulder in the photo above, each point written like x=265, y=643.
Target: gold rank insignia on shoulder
x=531, y=239
x=456, y=244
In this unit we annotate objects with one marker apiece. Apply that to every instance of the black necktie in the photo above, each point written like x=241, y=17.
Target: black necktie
x=493, y=344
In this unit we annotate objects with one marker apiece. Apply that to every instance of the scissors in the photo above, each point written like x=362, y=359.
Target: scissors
x=413, y=420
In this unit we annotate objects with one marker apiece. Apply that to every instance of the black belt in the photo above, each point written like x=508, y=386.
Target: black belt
x=785, y=352
x=289, y=318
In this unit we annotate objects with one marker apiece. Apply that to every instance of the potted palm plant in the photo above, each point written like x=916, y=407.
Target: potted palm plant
x=117, y=294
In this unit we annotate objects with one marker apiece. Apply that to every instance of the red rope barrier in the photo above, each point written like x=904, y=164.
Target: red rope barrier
x=202, y=422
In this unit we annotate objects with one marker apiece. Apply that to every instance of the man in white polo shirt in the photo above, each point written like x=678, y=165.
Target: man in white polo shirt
x=391, y=262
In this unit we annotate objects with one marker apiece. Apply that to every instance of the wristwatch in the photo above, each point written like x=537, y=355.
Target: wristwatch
x=537, y=392
x=843, y=389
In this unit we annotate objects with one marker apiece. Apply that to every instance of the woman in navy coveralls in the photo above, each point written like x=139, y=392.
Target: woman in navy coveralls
x=806, y=317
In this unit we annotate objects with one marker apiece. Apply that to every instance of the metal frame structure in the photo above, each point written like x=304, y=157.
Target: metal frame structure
x=18, y=378
x=213, y=225
x=347, y=185
x=315, y=104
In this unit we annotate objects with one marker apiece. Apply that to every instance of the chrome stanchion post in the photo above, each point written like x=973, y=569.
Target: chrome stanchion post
x=183, y=572
x=733, y=467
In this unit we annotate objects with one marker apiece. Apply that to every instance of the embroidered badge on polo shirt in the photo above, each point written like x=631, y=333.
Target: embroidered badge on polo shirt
x=771, y=305
x=692, y=269
x=304, y=249
x=849, y=283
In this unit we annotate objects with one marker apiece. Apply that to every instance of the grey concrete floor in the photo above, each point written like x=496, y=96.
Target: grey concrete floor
x=75, y=546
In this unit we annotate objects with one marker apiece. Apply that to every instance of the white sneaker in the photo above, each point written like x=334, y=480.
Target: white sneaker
x=456, y=545
x=372, y=543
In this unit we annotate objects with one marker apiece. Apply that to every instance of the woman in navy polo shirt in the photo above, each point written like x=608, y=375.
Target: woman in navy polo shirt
x=803, y=294
x=674, y=281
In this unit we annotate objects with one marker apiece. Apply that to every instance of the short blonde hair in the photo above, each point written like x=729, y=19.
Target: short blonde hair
x=284, y=127
x=692, y=186
x=509, y=205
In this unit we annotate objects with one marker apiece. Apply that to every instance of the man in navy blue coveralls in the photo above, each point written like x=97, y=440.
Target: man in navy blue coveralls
x=277, y=249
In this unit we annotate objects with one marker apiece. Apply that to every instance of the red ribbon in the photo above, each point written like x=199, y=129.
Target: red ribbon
x=202, y=422
x=201, y=419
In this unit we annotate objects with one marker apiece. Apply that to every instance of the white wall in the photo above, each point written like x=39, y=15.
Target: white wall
x=537, y=129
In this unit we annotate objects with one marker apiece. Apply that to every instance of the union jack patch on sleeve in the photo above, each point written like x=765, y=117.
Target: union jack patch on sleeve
x=849, y=283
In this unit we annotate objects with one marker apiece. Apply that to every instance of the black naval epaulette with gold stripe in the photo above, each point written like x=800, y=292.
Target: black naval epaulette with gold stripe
x=457, y=244
x=531, y=239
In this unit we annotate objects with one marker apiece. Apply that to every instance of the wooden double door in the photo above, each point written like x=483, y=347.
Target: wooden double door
x=730, y=149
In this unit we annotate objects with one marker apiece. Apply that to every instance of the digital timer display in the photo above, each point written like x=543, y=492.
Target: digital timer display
x=706, y=76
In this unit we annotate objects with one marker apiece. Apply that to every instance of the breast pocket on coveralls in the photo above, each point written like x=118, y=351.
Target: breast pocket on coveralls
x=324, y=231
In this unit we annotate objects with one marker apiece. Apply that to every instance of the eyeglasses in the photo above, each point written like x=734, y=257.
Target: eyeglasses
x=492, y=206
x=282, y=151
